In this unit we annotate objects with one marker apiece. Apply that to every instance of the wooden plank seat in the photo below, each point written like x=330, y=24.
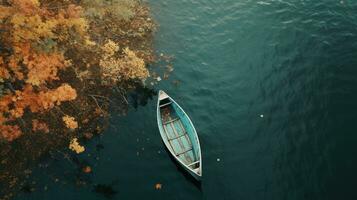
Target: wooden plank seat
x=187, y=150
x=170, y=121
x=165, y=104
x=193, y=163
x=174, y=138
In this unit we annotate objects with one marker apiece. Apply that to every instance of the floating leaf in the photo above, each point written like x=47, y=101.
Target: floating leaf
x=158, y=186
x=87, y=169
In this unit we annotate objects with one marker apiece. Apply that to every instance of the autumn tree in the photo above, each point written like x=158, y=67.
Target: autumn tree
x=32, y=32
x=60, y=62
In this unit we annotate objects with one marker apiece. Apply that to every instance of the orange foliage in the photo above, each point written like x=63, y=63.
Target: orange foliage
x=5, y=11
x=29, y=26
x=22, y=49
x=74, y=11
x=10, y=133
x=27, y=7
x=36, y=102
x=39, y=37
x=4, y=103
x=39, y=126
x=39, y=102
x=47, y=100
x=4, y=73
x=15, y=68
x=43, y=67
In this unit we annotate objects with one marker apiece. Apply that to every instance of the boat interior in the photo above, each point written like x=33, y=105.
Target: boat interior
x=177, y=135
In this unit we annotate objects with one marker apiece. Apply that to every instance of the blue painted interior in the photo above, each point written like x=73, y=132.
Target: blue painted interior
x=176, y=128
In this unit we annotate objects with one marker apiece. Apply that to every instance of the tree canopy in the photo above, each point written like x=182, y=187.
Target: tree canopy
x=60, y=63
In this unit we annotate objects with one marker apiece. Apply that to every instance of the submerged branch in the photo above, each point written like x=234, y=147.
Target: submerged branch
x=96, y=102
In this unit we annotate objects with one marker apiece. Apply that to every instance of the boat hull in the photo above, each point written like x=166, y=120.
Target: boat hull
x=179, y=135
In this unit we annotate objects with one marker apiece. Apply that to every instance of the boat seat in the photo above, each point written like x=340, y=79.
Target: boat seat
x=174, y=138
x=193, y=163
x=184, y=152
x=172, y=120
x=165, y=104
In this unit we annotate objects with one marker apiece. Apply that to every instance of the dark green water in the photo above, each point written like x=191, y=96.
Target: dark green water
x=294, y=62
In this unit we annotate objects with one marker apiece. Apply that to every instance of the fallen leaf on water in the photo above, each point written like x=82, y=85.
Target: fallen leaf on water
x=87, y=169
x=158, y=186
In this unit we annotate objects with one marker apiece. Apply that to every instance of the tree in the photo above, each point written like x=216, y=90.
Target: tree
x=61, y=63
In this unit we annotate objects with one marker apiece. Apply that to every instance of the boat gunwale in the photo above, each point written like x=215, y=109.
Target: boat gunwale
x=158, y=110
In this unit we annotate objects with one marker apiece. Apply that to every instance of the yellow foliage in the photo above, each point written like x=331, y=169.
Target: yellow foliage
x=134, y=66
x=31, y=28
x=118, y=9
x=110, y=48
x=130, y=66
x=88, y=42
x=70, y=19
x=41, y=25
x=75, y=146
x=70, y=122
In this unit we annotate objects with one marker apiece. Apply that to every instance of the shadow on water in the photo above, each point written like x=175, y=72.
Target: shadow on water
x=188, y=177
x=105, y=189
x=140, y=96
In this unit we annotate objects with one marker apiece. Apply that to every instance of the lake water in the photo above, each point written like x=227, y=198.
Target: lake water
x=271, y=87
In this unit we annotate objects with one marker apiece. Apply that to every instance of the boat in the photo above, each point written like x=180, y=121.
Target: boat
x=179, y=135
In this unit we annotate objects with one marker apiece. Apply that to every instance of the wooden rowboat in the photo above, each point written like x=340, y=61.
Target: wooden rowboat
x=179, y=135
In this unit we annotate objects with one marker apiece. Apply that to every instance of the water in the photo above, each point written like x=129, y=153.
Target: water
x=294, y=62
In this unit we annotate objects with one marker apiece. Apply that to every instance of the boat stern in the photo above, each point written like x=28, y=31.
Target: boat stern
x=197, y=174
